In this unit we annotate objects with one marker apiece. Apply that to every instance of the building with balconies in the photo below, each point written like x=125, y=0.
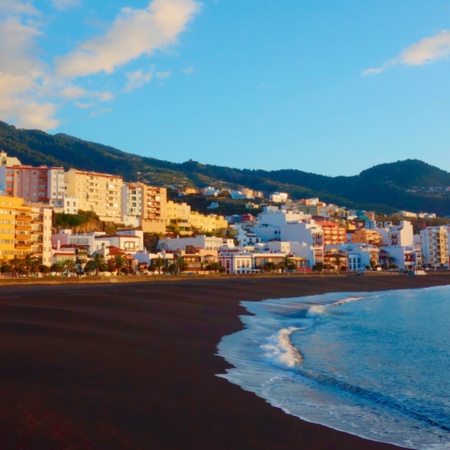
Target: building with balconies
x=435, y=247
x=97, y=192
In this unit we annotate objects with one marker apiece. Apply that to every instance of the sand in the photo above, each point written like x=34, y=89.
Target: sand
x=133, y=365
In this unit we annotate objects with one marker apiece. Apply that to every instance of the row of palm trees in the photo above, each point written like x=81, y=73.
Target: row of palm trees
x=30, y=264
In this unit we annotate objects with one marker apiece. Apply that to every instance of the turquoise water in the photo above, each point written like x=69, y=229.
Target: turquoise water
x=376, y=365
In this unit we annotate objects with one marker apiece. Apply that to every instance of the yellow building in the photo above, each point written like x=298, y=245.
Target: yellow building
x=207, y=224
x=97, y=192
x=185, y=222
x=25, y=230
x=15, y=228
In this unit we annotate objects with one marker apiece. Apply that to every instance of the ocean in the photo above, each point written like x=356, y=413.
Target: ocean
x=373, y=364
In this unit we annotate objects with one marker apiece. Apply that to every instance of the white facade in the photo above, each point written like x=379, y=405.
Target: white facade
x=396, y=235
x=236, y=261
x=202, y=241
x=131, y=207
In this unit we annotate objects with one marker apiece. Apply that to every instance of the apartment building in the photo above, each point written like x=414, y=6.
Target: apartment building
x=27, y=182
x=24, y=230
x=98, y=192
x=154, y=208
x=207, y=224
x=366, y=236
x=333, y=233
x=41, y=233
x=435, y=247
x=132, y=204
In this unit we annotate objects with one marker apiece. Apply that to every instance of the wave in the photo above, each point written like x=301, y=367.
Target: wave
x=371, y=396
x=347, y=300
x=282, y=350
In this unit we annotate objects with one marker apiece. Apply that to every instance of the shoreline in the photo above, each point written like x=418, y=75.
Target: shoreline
x=133, y=365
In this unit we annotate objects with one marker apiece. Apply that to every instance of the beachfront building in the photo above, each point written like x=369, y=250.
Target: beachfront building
x=402, y=257
x=97, y=192
x=236, y=261
x=396, y=235
x=435, y=250
x=41, y=233
x=359, y=256
x=24, y=230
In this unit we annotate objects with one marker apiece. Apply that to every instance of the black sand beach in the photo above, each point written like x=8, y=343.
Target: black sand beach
x=133, y=365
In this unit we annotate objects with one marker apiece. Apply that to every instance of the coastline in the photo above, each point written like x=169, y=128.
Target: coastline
x=133, y=365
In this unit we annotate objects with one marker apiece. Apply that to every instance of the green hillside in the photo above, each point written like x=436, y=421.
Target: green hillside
x=411, y=185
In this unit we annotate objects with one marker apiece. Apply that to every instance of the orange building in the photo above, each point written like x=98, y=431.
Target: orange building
x=333, y=233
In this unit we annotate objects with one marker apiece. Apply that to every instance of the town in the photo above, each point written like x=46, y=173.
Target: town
x=300, y=236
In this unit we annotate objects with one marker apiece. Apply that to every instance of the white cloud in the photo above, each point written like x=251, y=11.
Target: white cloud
x=22, y=76
x=73, y=92
x=137, y=79
x=426, y=51
x=134, y=33
x=13, y=7
x=31, y=91
x=65, y=4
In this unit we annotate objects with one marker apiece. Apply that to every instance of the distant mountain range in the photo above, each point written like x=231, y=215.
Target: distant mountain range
x=410, y=185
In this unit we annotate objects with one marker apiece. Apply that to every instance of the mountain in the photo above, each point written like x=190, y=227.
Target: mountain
x=410, y=185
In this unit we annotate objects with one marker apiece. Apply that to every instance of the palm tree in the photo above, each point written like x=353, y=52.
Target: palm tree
x=29, y=262
x=286, y=264
x=97, y=263
x=120, y=262
x=69, y=266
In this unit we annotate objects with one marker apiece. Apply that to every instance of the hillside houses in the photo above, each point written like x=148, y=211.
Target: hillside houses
x=295, y=236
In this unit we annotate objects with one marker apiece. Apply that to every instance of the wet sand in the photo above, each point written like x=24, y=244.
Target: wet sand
x=133, y=365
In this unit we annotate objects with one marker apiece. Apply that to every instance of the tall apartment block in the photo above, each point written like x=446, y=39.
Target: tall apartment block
x=154, y=201
x=25, y=229
x=435, y=247
x=97, y=192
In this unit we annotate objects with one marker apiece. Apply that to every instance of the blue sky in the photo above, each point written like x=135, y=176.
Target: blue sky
x=321, y=86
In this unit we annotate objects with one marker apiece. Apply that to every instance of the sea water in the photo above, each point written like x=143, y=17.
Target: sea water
x=376, y=365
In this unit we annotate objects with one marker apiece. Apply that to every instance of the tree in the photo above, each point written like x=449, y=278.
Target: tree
x=120, y=262
x=158, y=264
x=287, y=264
x=29, y=263
x=96, y=264
x=214, y=267
x=68, y=266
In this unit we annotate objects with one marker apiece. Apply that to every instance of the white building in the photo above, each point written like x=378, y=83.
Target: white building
x=132, y=204
x=396, y=235
x=201, y=241
x=236, y=261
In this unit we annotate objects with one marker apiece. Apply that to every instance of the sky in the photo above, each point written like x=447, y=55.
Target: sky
x=324, y=86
